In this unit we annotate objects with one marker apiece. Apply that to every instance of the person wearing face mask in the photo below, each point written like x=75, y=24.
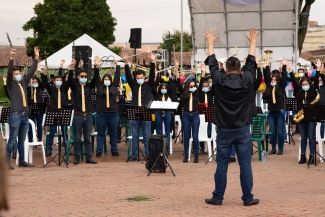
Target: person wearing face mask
x=190, y=118
x=274, y=94
x=58, y=99
x=35, y=92
x=18, y=119
x=319, y=84
x=83, y=108
x=141, y=96
x=106, y=109
x=305, y=94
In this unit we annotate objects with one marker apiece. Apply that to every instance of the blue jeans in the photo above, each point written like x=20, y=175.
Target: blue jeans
x=307, y=130
x=39, y=120
x=167, y=120
x=241, y=139
x=109, y=120
x=322, y=128
x=191, y=120
x=146, y=131
x=82, y=124
x=276, y=120
x=18, y=125
x=233, y=151
x=53, y=130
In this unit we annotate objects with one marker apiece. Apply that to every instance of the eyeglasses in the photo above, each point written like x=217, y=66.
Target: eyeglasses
x=192, y=86
x=83, y=76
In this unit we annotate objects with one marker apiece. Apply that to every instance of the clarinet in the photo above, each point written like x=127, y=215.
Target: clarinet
x=16, y=58
x=28, y=62
x=73, y=57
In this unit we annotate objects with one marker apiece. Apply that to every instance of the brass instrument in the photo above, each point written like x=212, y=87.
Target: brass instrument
x=141, y=67
x=265, y=58
x=16, y=58
x=300, y=115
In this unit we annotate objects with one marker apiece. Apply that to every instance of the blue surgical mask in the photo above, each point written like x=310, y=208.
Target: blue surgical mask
x=18, y=77
x=193, y=89
x=205, y=89
x=83, y=80
x=140, y=81
x=320, y=85
x=107, y=83
x=273, y=84
x=163, y=91
x=58, y=83
x=35, y=85
x=210, y=84
x=306, y=87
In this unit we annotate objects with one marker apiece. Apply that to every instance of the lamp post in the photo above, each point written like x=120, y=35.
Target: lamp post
x=169, y=48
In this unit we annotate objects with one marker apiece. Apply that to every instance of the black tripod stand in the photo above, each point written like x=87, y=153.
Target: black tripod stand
x=58, y=117
x=121, y=108
x=290, y=105
x=209, y=116
x=314, y=113
x=139, y=114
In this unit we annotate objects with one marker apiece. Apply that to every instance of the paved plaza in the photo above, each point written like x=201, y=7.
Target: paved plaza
x=284, y=188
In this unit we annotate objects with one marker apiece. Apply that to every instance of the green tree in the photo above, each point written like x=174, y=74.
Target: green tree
x=303, y=21
x=187, y=41
x=58, y=23
x=115, y=49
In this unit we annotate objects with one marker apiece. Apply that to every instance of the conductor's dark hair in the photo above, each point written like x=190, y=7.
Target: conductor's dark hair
x=233, y=63
x=15, y=68
x=37, y=79
x=108, y=76
x=58, y=76
x=140, y=72
x=83, y=70
x=52, y=75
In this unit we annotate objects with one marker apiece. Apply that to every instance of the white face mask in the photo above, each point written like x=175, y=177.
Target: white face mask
x=300, y=74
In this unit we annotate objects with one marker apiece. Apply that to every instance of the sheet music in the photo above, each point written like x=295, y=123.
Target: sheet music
x=164, y=105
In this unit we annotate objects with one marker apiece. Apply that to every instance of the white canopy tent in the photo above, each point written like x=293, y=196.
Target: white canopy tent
x=232, y=19
x=65, y=53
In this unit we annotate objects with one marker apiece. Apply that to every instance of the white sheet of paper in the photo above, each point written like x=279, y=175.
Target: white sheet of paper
x=164, y=105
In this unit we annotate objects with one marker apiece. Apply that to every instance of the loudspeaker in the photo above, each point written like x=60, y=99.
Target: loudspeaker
x=86, y=51
x=155, y=148
x=87, y=65
x=135, y=38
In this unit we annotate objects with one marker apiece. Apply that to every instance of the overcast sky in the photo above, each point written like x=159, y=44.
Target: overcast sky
x=153, y=16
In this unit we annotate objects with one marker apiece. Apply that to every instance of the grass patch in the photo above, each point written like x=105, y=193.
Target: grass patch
x=138, y=198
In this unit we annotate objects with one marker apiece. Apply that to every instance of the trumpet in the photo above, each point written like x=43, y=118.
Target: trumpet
x=141, y=67
x=264, y=59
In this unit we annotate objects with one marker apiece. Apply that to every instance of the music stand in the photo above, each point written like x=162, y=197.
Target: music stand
x=162, y=154
x=290, y=105
x=314, y=113
x=5, y=113
x=46, y=97
x=138, y=114
x=36, y=109
x=93, y=97
x=58, y=117
x=201, y=108
x=121, y=108
x=209, y=117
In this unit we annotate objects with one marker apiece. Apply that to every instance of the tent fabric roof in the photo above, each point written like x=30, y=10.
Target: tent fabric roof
x=65, y=53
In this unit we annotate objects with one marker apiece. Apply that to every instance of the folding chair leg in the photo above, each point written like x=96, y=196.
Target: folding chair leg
x=259, y=151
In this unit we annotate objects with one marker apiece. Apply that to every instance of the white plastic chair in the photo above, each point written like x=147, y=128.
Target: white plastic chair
x=179, y=122
x=5, y=136
x=320, y=144
x=28, y=146
x=203, y=137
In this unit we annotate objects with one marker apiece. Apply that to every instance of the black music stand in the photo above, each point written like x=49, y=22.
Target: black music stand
x=93, y=97
x=46, y=97
x=209, y=117
x=162, y=154
x=290, y=105
x=36, y=109
x=58, y=117
x=201, y=108
x=314, y=113
x=5, y=113
x=121, y=108
x=138, y=114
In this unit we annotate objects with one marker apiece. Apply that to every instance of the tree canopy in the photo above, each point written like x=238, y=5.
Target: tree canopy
x=187, y=41
x=58, y=23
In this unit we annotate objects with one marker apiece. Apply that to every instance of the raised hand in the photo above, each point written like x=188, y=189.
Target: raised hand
x=36, y=52
x=12, y=53
x=97, y=61
x=125, y=58
x=209, y=35
x=176, y=63
x=322, y=68
x=253, y=34
x=4, y=78
x=62, y=63
x=81, y=63
x=284, y=61
x=152, y=57
x=318, y=63
x=289, y=66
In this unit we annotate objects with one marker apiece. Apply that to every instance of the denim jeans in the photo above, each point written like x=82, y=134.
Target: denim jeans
x=191, y=121
x=109, y=120
x=307, y=130
x=82, y=124
x=53, y=130
x=119, y=129
x=241, y=139
x=233, y=151
x=167, y=120
x=276, y=120
x=39, y=121
x=322, y=128
x=18, y=125
x=146, y=129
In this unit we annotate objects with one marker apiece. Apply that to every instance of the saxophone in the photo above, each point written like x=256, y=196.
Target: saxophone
x=300, y=115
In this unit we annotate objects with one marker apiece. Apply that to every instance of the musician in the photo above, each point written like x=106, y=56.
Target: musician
x=69, y=93
x=106, y=108
x=306, y=93
x=83, y=108
x=275, y=94
x=233, y=103
x=56, y=101
x=320, y=78
x=18, y=119
x=141, y=96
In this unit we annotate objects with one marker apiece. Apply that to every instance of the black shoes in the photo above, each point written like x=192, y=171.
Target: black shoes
x=212, y=202
x=302, y=159
x=48, y=153
x=232, y=159
x=25, y=164
x=272, y=152
x=98, y=154
x=253, y=202
x=311, y=159
x=185, y=160
x=76, y=161
x=90, y=161
x=196, y=159
x=280, y=152
x=115, y=154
